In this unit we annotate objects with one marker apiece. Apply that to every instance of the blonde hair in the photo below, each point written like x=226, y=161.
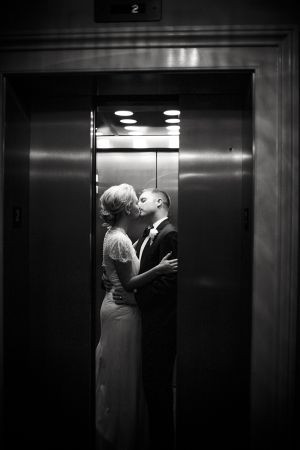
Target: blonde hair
x=114, y=200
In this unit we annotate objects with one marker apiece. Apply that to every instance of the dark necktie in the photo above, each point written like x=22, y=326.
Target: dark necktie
x=147, y=231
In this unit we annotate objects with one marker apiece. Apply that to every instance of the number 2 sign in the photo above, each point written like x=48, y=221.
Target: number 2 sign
x=127, y=10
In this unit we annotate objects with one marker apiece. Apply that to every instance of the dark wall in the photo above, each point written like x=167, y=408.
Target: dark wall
x=79, y=14
x=16, y=254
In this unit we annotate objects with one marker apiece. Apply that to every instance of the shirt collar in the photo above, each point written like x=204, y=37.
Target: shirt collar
x=158, y=222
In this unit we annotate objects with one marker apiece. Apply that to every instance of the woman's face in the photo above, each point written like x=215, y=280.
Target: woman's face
x=134, y=209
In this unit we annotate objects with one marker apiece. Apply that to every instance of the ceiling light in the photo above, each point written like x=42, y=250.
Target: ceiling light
x=173, y=133
x=135, y=133
x=172, y=112
x=123, y=113
x=172, y=120
x=173, y=127
x=128, y=120
x=132, y=128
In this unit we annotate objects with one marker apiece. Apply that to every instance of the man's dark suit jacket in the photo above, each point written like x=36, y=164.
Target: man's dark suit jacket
x=157, y=300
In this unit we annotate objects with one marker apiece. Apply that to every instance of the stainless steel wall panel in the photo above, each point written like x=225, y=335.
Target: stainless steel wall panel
x=16, y=330
x=167, y=179
x=214, y=319
x=60, y=274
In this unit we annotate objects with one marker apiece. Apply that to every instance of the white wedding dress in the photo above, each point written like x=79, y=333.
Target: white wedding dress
x=120, y=405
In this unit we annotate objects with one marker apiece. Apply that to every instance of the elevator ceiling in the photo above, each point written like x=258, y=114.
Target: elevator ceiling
x=146, y=94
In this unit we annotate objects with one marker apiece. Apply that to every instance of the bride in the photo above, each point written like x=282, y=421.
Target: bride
x=120, y=406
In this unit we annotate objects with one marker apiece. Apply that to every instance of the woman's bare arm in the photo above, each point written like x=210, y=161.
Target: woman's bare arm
x=130, y=282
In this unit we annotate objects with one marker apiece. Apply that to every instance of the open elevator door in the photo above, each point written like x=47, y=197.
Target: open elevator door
x=214, y=295
x=215, y=256
x=47, y=293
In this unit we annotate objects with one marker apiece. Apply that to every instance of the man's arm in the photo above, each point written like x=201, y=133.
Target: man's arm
x=106, y=285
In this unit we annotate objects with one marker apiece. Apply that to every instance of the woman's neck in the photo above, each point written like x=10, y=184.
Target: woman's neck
x=122, y=223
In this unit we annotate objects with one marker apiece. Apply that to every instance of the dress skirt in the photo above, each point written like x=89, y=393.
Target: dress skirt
x=121, y=415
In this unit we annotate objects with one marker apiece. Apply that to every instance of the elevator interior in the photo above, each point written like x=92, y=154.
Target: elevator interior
x=53, y=244
x=138, y=149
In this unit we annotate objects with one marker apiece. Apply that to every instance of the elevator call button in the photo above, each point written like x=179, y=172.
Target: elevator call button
x=127, y=10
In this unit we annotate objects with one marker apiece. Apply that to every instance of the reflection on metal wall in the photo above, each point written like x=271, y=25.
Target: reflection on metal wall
x=214, y=312
x=60, y=274
x=167, y=179
x=16, y=320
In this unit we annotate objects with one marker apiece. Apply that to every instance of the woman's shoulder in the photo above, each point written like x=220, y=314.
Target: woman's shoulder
x=115, y=236
x=118, y=245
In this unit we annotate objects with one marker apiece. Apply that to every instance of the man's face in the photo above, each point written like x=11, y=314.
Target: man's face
x=148, y=203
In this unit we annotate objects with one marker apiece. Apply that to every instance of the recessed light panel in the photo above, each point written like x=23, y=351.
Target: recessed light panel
x=173, y=127
x=128, y=121
x=172, y=112
x=123, y=113
x=172, y=120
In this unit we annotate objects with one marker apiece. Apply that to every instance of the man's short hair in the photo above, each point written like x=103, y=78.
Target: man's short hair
x=164, y=196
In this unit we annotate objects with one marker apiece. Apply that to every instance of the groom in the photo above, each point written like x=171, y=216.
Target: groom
x=157, y=302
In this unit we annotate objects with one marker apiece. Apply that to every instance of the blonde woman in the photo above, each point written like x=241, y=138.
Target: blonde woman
x=120, y=407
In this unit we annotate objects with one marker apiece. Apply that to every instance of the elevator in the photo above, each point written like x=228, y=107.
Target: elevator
x=209, y=179
x=52, y=209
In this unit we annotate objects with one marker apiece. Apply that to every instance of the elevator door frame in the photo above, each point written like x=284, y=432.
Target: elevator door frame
x=272, y=54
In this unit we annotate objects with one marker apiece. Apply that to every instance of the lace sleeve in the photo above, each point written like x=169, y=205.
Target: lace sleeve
x=120, y=248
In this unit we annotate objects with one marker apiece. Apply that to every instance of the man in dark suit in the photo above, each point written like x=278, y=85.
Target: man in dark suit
x=157, y=302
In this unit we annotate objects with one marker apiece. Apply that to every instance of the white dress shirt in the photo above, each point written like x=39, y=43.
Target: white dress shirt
x=155, y=225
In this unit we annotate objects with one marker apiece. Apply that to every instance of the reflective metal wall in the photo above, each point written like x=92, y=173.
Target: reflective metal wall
x=60, y=274
x=48, y=370
x=167, y=180
x=16, y=330
x=213, y=378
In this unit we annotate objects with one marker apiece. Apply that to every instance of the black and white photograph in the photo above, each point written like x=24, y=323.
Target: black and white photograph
x=149, y=182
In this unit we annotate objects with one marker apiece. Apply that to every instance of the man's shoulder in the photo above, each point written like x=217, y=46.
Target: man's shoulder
x=171, y=227
x=168, y=228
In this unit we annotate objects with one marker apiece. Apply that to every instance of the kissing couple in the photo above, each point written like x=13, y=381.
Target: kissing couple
x=136, y=352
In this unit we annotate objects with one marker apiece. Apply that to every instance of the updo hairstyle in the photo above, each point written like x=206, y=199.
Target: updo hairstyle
x=113, y=202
